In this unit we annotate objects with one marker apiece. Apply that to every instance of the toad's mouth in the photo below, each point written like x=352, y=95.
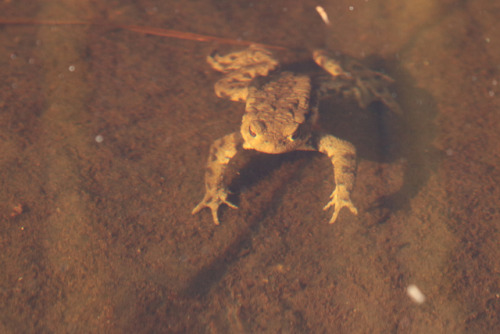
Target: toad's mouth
x=269, y=144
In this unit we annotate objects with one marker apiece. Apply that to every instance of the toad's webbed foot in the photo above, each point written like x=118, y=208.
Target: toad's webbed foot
x=214, y=201
x=340, y=198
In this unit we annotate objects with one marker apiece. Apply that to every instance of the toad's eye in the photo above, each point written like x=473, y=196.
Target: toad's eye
x=256, y=127
x=296, y=134
x=251, y=132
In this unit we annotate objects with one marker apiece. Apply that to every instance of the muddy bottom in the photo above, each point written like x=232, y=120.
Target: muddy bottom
x=104, y=135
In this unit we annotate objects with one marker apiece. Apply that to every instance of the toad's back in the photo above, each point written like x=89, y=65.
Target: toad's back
x=284, y=96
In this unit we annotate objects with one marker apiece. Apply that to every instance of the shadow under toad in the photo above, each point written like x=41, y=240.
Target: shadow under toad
x=256, y=167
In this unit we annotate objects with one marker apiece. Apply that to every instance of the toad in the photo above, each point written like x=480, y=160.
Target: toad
x=281, y=109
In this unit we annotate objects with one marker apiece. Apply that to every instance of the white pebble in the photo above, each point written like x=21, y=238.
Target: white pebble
x=99, y=139
x=71, y=68
x=415, y=294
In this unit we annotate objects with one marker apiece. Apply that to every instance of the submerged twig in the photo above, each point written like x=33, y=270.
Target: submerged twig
x=144, y=30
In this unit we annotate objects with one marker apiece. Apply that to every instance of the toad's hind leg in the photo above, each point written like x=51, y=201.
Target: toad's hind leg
x=329, y=64
x=233, y=87
x=354, y=80
x=241, y=68
x=257, y=60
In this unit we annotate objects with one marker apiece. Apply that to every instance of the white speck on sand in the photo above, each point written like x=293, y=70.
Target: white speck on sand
x=415, y=294
x=324, y=16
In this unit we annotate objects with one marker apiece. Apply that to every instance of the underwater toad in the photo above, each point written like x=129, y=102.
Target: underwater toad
x=281, y=110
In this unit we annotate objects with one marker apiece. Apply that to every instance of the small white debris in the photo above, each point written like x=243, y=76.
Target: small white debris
x=491, y=93
x=71, y=68
x=99, y=139
x=351, y=8
x=415, y=294
x=324, y=16
x=487, y=40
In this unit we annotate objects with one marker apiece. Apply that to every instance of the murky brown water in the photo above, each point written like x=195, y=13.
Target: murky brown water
x=97, y=236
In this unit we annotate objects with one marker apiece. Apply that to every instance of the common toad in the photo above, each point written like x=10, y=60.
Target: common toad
x=280, y=113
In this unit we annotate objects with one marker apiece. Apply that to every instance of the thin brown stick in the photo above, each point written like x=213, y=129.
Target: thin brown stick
x=41, y=22
x=144, y=30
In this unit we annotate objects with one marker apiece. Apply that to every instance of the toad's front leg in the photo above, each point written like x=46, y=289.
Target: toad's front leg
x=221, y=152
x=343, y=157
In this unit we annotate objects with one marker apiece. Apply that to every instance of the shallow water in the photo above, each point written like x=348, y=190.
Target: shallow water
x=97, y=233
